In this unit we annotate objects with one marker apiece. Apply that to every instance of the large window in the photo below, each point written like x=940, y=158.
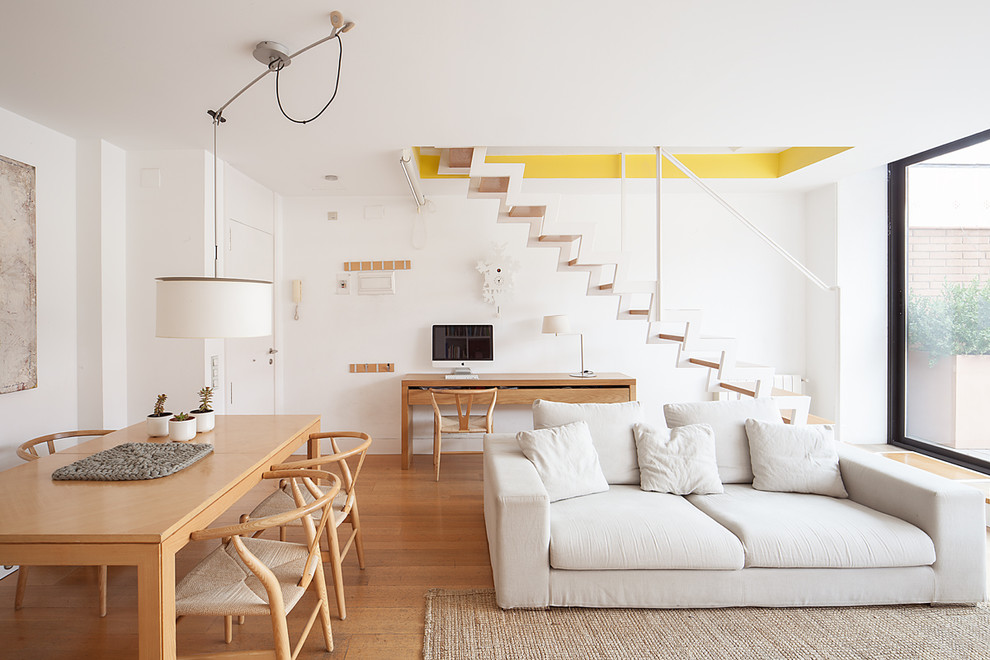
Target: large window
x=940, y=301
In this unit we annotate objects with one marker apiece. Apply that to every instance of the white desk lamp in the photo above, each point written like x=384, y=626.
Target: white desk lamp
x=560, y=324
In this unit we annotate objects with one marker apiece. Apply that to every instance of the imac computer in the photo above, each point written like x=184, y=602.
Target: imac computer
x=460, y=346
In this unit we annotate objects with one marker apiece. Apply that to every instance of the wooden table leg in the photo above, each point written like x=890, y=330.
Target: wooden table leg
x=406, y=456
x=156, y=603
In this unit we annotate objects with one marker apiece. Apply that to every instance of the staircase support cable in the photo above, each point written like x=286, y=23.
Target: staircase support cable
x=791, y=259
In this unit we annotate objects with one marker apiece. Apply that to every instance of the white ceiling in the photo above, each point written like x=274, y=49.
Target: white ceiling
x=890, y=77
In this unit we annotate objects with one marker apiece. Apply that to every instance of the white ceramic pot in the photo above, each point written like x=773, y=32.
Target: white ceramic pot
x=158, y=426
x=205, y=421
x=182, y=431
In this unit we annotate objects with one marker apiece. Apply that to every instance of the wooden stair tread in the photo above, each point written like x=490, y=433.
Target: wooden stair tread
x=559, y=238
x=738, y=389
x=460, y=157
x=704, y=363
x=670, y=337
x=494, y=184
x=606, y=287
x=527, y=211
x=639, y=312
x=779, y=392
x=812, y=419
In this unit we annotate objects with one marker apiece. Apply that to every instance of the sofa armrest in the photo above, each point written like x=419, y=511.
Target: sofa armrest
x=952, y=514
x=517, y=519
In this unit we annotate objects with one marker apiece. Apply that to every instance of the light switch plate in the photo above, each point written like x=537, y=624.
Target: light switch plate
x=331, y=215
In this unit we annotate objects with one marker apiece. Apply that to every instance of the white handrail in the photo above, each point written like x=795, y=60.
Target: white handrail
x=791, y=259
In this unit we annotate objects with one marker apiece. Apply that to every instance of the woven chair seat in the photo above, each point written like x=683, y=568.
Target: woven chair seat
x=221, y=584
x=281, y=501
x=476, y=424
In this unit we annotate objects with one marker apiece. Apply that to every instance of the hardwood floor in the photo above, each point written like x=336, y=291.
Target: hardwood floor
x=419, y=534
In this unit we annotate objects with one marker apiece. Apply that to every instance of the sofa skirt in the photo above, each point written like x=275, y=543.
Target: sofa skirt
x=750, y=587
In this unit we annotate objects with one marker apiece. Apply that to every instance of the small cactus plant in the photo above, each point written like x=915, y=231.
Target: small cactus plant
x=181, y=417
x=160, y=406
x=205, y=400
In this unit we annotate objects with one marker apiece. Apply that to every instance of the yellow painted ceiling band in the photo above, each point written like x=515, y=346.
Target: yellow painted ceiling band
x=643, y=166
x=795, y=158
x=570, y=166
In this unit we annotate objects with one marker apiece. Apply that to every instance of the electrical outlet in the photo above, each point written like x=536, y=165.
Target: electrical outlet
x=331, y=215
x=343, y=284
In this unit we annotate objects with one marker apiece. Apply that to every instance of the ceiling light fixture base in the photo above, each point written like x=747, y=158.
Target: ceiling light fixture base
x=272, y=54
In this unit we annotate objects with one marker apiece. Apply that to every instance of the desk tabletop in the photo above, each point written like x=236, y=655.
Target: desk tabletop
x=38, y=510
x=518, y=379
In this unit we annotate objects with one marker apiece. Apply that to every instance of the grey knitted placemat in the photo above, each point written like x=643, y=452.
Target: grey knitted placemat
x=133, y=461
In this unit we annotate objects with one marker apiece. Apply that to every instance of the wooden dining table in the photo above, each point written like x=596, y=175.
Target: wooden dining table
x=140, y=523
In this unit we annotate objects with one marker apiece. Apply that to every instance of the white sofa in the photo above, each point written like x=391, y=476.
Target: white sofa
x=902, y=536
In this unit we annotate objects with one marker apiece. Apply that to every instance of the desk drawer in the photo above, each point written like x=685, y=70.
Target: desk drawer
x=526, y=395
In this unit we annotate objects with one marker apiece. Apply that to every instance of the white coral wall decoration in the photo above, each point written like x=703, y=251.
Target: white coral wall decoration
x=498, y=271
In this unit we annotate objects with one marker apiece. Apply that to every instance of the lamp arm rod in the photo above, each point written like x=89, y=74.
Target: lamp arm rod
x=217, y=114
x=316, y=43
x=219, y=111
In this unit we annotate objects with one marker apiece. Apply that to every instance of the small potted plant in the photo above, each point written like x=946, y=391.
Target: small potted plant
x=205, y=417
x=182, y=427
x=158, y=420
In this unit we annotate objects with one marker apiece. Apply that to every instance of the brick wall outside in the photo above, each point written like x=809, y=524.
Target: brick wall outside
x=938, y=255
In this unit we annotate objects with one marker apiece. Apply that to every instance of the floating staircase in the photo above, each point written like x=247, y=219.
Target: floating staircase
x=608, y=276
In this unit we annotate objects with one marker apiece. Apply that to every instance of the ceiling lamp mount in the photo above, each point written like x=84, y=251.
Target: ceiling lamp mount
x=272, y=54
x=276, y=56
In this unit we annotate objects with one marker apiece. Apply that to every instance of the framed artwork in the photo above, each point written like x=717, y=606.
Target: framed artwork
x=18, y=278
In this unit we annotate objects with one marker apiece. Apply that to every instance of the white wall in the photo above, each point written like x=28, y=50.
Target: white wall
x=52, y=406
x=821, y=321
x=167, y=227
x=101, y=285
x=862, y=270
x=708, y=261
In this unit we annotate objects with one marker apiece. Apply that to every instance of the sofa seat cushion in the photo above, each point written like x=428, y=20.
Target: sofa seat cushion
x=798, y=530
x=628, y=528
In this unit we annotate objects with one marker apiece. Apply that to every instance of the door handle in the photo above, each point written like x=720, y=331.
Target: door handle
x=272, y=351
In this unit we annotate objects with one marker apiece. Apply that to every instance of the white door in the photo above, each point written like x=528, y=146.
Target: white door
x=249, y=363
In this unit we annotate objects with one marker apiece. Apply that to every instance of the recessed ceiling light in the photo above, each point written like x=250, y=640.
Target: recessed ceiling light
x=330, y=177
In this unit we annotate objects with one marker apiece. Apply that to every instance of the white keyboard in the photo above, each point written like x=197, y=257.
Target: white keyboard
x=461, y=376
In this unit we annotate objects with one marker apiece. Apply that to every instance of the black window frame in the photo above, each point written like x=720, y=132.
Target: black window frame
x=896, y=322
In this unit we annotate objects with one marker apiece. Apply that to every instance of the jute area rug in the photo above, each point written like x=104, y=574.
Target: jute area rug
x=468, y=624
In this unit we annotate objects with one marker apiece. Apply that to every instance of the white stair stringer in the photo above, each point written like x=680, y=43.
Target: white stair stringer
x=608, y=276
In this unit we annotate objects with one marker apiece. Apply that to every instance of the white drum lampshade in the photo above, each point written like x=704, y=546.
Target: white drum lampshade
x=558, y=324
x=212, y=307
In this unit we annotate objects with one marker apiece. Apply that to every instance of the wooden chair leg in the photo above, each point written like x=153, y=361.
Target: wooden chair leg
x=436, y=454
x=102, y=579
x=321, y=590
x=358, y=537
x=336, y=570
x=22, y=574
x=228, y=629
x=280, y=631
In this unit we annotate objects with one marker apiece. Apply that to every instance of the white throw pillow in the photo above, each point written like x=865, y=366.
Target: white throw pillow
x=680, y=461
x=566, y=460
x=611, y=431
x=728, y=419
x=795, y=459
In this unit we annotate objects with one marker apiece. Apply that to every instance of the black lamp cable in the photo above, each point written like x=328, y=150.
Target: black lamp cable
x=336, y=84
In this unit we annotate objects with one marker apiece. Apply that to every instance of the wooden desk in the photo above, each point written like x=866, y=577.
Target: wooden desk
x=140, y=523
x=514, y=389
